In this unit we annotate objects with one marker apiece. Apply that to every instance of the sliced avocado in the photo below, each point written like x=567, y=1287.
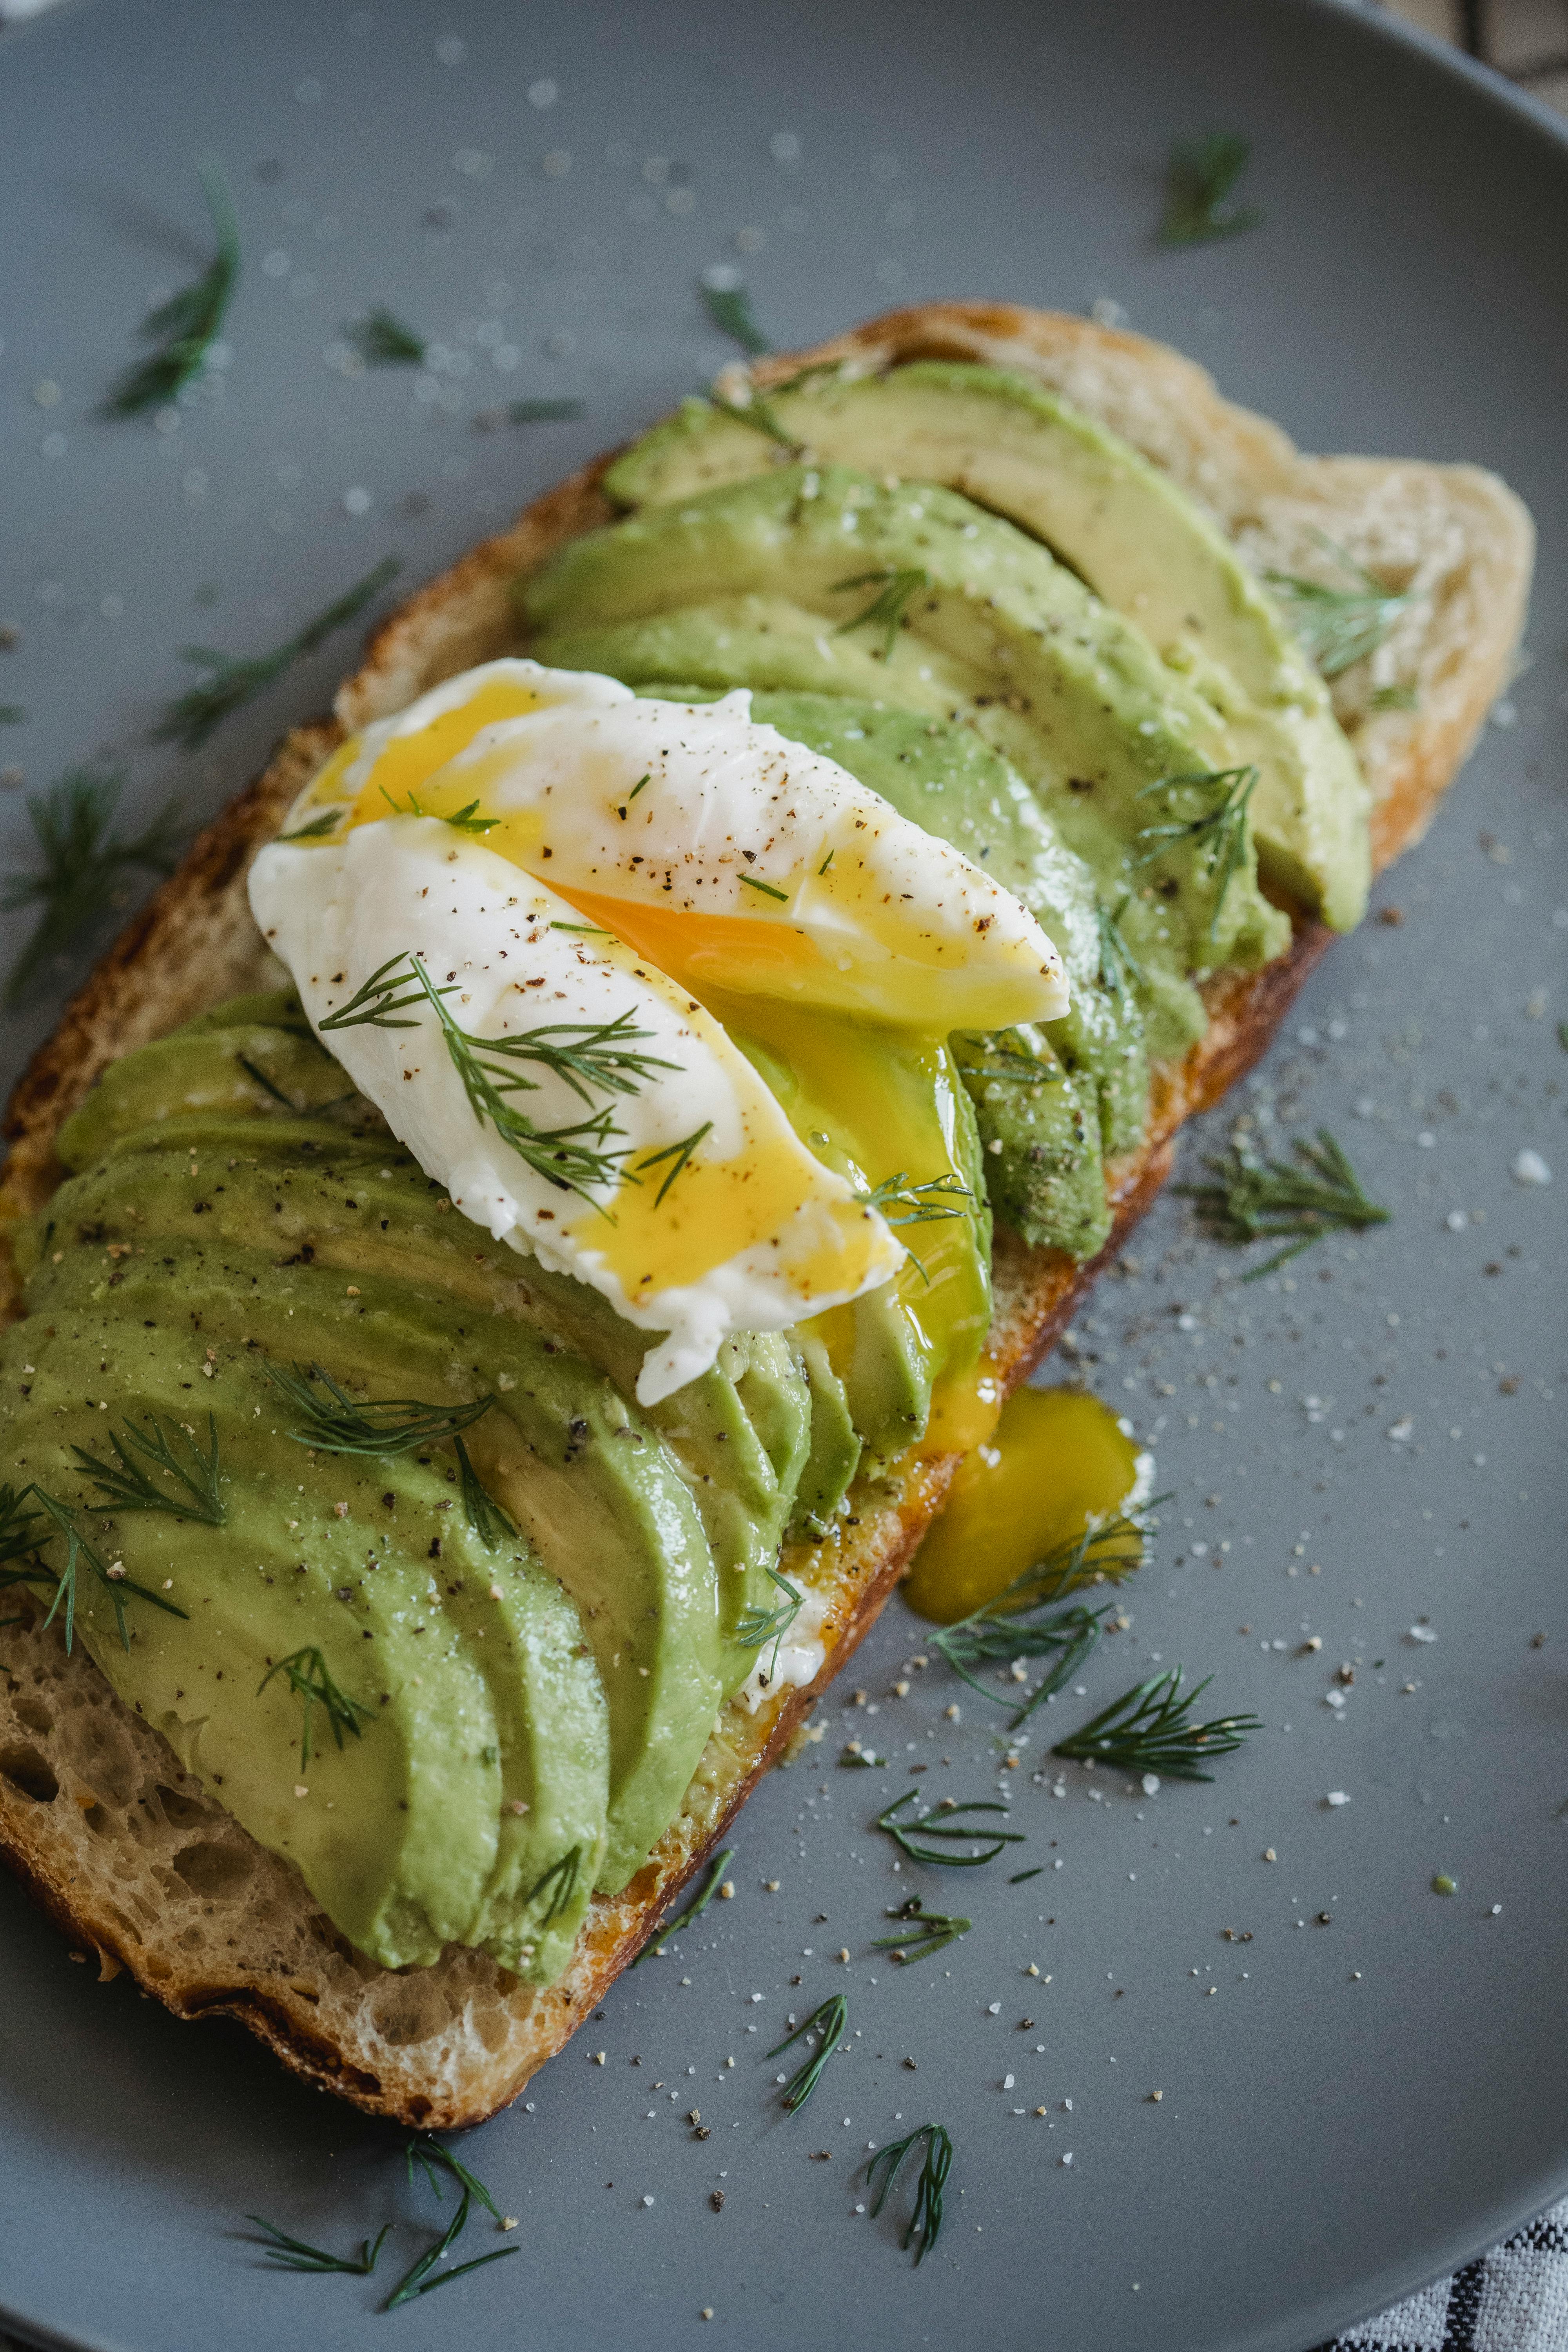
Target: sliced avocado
x=1045, y=1167
x=740, y=1434
x=990, y=625
x=836, y=1445
x=463, y=1794
x=236, y=1070
x=577, y=1465
x=1143, y=545
x=945, y=779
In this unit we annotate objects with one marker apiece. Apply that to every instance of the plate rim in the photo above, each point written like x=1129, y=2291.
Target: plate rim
x=1318, y=2325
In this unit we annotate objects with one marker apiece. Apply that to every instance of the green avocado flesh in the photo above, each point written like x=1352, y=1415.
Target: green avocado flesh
x=1020, y=451
x=462, y=1682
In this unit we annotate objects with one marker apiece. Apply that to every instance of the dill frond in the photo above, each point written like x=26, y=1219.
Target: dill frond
x=927, y=1933
x=1147, y=1730
x=1219, y=833
x=827, y=2026
x=1258, y=1199
x=308, y=1677
x=233, y=681
x=1340, y=627
x=925, y=2221
x=126, y=1485
x=928, y=1837
x=1199, y=177
x=886, y=610
x=187, y=323
x=729, y=307
x=383, y=339
x=335, y=1423
x=85, y=866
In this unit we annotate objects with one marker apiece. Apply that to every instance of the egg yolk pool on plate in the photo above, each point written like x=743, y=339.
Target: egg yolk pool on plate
x=1058, y=1462
x=664, y=998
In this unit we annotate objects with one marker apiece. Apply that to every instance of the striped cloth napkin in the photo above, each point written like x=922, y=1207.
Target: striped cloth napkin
x=1514, y=2299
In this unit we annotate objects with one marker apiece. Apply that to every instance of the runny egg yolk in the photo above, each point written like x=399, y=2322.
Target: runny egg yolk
x=872, y=1100
x=405, y=763
x=1058, y=1459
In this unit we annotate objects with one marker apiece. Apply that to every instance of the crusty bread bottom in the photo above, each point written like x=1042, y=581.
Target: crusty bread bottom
x=129, y=1854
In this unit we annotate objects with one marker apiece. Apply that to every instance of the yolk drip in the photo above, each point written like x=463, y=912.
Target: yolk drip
x=1058, y=1458
x=407, y=762
x=874, y=1104
x=712, y=1211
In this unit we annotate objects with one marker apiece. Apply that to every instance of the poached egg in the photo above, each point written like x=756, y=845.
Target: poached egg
x=508, y=910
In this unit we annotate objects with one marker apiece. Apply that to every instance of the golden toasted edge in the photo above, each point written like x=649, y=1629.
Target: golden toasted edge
x=194, y=943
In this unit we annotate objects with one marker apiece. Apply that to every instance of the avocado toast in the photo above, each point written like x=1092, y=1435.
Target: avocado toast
x=1046, y=709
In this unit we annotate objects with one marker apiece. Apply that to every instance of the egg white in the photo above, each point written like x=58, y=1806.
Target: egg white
x=335, y=912
x=713, y=852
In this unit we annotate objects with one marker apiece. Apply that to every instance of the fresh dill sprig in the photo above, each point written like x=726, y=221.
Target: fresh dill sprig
x=544, y=412
x=234, y=680
x=127, y=1487
x=433, y=2159
x=484, y=1514
x=16, y=1525
x=1012, y=1627
x=383, y=339
x=308, y=1676
x=463, y=819
x=928, y=1932
x=728, y=306
x=573, y=1158
x=186, y=324
x=561, y=1879
x=1147, y=1730
x=295, y=2254
x=85, y=864
x=1220, y=831
x=677, y=1152
x=417, y=2279
x=826, y=2024
x=111, y=1576
x=527, y=412
x=586, y=1055
x=319, y=827
x=885, y=611
x=925, y=1204
x=660, y=1936
x=1067, y=1635
x=1012, y=1064
x=1259, y=1199
x=1199, y=177
x=925, y=2221
x=928, y=1837
x=1119, y=971
x=1340, y=626
x=381, y=999
x=758, y=1625
x=335, y=1423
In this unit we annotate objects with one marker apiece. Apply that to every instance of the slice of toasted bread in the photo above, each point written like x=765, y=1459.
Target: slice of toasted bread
x=133, y=1858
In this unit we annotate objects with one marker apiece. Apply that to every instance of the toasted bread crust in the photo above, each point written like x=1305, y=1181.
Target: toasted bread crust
x=448, y=2045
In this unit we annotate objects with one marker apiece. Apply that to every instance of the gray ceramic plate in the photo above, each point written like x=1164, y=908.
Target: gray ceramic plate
x=1348, y=2108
